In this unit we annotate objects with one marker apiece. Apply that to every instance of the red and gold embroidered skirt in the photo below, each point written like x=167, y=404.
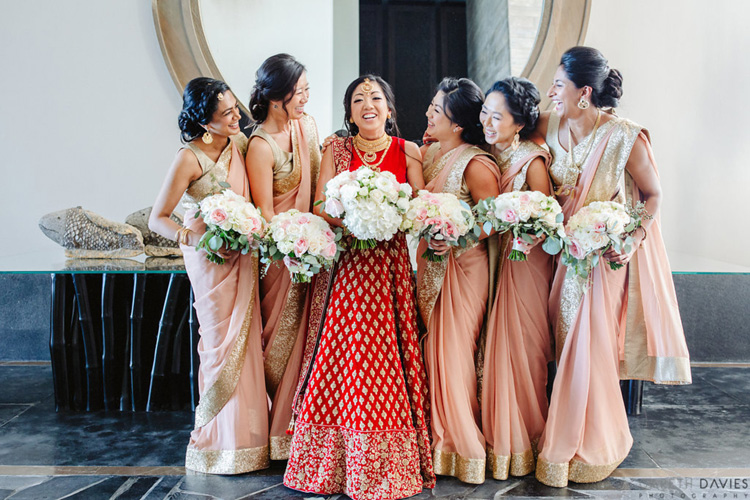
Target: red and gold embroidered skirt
x=362, y=429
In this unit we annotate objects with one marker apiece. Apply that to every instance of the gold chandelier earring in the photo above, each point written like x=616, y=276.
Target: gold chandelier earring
x=207, y=138
x=583, y=103
x=516, y=141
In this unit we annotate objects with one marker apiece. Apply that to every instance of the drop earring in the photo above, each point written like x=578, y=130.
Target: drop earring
x=207, y=138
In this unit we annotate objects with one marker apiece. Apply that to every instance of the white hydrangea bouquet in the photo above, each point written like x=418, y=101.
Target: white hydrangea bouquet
x=303, y=241
x=597, y=227
x=524, y=214
x=372, y=204
x=440, y=216
x=231, y=222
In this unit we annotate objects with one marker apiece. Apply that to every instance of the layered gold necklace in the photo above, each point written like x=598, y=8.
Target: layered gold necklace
x=367, y=151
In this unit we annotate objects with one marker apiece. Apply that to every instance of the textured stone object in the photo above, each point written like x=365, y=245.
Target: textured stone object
x=156, y=245
x=86, y=235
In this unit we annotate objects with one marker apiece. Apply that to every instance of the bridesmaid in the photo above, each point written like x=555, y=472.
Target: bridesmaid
x=626, y=324
x=453, y=294
x=283, y=161
x=231, y=421
x=518, y=348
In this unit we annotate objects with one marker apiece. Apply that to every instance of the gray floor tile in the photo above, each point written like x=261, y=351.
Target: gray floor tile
x=227, y=487
x=57, y=487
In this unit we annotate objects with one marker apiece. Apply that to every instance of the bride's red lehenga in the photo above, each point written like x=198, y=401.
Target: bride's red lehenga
x=361, y=426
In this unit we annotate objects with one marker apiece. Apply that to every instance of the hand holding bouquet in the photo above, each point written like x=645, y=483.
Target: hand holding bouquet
x=597, y=227
x=439, y=216
x=303, y=241
x=526, y=214
x=371, y=203
x=231, y=222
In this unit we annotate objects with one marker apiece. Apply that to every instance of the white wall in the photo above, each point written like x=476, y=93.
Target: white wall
x=241, y=34
x=88, y=112
x=686, y=74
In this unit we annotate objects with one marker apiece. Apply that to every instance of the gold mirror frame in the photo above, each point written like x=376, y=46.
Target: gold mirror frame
x=183, y=43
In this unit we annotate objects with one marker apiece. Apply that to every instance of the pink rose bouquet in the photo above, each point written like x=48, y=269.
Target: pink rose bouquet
x=525, y=214
x=231, y=222
x=303, y=241
x=596, y=228
x=439, y=216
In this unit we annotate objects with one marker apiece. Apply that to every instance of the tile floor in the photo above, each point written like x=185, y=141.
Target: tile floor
x=690, y=442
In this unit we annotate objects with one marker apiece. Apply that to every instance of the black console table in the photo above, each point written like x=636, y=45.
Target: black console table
x=124, y=336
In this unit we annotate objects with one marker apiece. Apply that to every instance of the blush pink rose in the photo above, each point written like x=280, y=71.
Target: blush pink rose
x=576, y=250
x=524, y=198
x=218, y=215
x=303, y=219
x=421, y=214
x=600, y=227
x=300, y=247
x=449, y=231
x=333, y=207
x=509, y=215
x=329, y=251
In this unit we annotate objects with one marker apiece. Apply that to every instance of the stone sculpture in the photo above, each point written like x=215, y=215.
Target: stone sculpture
x=86, y=235
x=155, y=245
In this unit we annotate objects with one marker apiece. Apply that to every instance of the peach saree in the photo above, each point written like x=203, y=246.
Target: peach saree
x=452, y=297
x=231, y=420
x=518, y=345
x=618, y=324
x=284, y=305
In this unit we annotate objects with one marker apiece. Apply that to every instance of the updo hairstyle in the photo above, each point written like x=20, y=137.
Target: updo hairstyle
x=522, y=102
x=274, y=81
x=199, y=102
x=462, y=105
x=587, y=67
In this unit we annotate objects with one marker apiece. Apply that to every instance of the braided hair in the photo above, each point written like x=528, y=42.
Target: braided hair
x=522, y=101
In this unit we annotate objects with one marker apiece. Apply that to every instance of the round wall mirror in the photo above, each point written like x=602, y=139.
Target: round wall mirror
x=228, y=40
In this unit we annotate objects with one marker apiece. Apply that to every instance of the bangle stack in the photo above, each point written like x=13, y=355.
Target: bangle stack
x=181, y=236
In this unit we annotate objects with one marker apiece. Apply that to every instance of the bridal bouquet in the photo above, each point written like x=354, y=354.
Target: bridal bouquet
x=524, y=213
x=371, y=203
x=597, y=227
x=303, y=241
x=439, y=216
x=231, y=222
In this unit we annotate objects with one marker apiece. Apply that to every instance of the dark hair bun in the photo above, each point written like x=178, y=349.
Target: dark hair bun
x=199, y=102
x=274, y=81
x=522, y=100
x=463, y=104
x=587, y=67
x=609, y=96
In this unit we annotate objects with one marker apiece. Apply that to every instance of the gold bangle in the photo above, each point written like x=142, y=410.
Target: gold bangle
x=181, y=236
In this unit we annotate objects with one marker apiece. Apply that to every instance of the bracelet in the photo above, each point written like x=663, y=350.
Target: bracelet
x=645, y=234
x=181, y=236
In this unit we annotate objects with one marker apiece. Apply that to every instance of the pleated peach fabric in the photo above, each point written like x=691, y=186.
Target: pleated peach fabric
x=231, y=420
x=518, y=344
x=285, y=305
x=617, y=324
x=454, y=323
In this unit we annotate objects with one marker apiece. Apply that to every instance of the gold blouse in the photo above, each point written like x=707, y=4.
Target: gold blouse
x=285, y=175
x=213, y=172
x=432, y=169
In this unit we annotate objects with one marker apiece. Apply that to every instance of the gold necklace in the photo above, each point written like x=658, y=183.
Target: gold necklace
x=573, y=163
x=371, y=149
